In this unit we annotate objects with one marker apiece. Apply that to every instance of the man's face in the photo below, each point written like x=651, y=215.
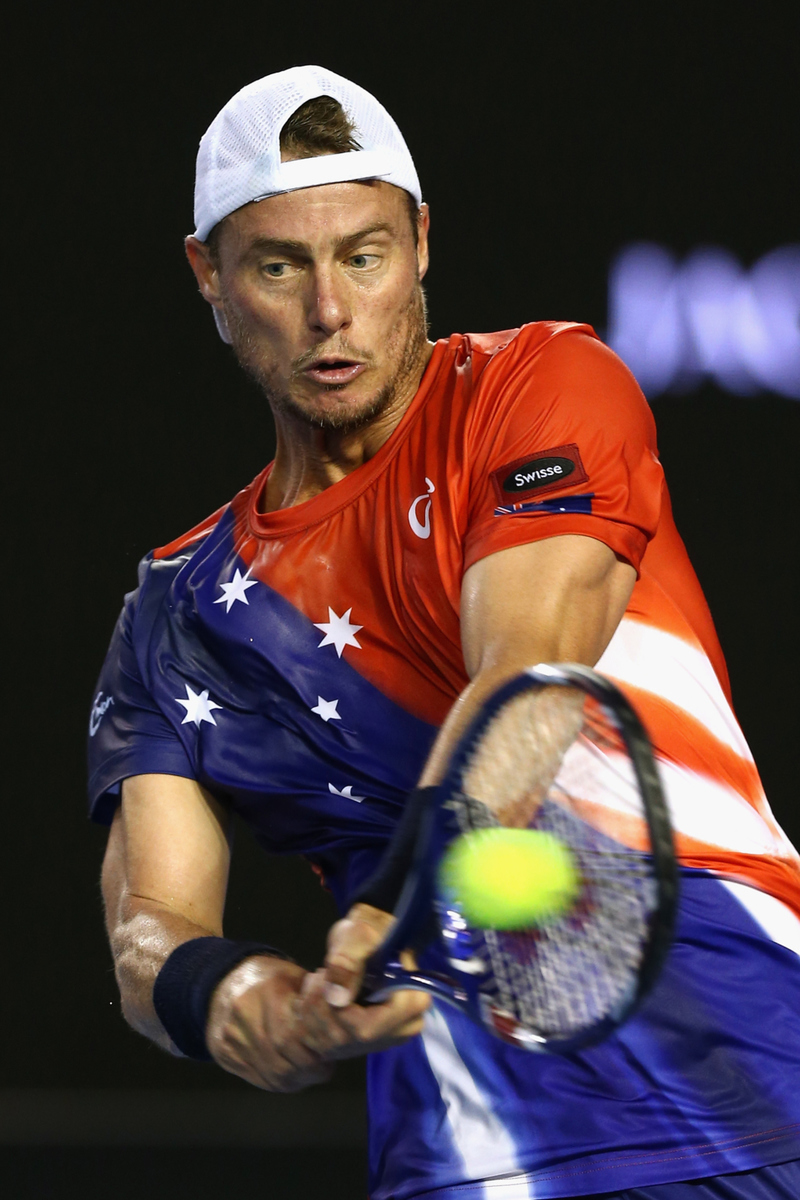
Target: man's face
x=321, y=292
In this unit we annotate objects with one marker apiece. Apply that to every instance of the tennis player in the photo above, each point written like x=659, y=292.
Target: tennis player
x=437, y=516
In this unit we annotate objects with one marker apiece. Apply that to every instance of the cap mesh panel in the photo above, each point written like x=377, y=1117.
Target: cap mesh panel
x=239, y=155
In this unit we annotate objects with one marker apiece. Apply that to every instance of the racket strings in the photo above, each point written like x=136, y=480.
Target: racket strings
x=578, y=969
x=521, y=751
x=581, y=967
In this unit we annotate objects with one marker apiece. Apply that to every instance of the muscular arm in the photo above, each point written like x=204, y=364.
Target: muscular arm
x=558, y=600
x=164, y=878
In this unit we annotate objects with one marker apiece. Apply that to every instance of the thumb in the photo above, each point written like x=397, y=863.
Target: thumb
x=350, y=943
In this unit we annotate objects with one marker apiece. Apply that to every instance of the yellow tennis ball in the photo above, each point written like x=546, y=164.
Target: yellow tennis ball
x=509, y=878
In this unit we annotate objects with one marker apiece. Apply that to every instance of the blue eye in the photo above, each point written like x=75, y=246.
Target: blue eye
x=275, y=269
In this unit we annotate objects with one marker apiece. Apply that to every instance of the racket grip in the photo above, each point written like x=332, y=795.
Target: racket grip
x=375, y=979
x=382, y=890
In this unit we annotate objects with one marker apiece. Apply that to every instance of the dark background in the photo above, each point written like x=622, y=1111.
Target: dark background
x=546, y=137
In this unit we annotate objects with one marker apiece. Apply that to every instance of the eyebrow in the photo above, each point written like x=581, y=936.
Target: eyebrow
x=289, y=246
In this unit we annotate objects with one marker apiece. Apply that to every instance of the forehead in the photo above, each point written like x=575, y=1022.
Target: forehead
x=320, y=216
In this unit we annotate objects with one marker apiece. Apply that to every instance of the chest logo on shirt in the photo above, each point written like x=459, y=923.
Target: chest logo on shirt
x=543, y=472
x=422, y=528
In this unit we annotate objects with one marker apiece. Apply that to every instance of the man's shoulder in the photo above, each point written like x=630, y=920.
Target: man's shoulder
x=508, y=345
x=188, y=542
x=210, y=537
x=193, y=537
x=545, y=359
x=484, y=373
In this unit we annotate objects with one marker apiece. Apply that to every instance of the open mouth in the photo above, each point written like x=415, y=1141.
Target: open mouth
x=334, y=370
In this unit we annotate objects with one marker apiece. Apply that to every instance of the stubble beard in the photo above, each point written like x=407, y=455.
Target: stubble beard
x=413, y=317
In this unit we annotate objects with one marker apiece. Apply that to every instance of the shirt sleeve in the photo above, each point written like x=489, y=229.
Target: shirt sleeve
x=128, y=733
x=561, y=441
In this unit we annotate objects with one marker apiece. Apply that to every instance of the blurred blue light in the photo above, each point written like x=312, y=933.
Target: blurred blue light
x=676, y=324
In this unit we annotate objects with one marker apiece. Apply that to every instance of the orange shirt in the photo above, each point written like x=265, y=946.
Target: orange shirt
x=514, y=437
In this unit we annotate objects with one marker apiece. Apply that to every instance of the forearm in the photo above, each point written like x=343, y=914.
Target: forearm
x=142, y=938
x=533, y=647
x=163, y=880
x=461, y=715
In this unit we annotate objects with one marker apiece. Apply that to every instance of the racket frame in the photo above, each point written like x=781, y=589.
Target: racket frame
x=415, y=912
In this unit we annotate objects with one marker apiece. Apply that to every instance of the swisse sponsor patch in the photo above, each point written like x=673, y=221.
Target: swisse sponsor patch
x=538, y=473
x=558, y=467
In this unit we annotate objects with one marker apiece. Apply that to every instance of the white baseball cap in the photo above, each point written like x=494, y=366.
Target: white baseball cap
x=239, y=160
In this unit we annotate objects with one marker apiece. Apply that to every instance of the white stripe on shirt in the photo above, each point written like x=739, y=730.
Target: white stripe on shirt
x=658, y=662
x=480, y=1138
x=777, y=920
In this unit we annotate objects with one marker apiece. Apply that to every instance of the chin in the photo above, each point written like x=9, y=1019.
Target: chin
x=344, y=414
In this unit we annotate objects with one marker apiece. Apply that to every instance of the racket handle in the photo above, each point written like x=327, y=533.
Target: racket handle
x=378, y=976
x=382, y=890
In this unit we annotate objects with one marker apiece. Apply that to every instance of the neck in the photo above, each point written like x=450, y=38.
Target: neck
x=310, y=459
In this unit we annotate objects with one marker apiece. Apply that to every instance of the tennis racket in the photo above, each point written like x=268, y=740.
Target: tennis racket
x=558, y=748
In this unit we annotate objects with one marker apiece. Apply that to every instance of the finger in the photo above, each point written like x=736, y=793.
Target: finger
x=324, y=1028
x=257, y=1040
x=318, y=1026
x=398, y=1008
x=259, y=1066
x=398, y=1018
x=298, y=1084
x=344, y=1033
x=295, y=1080
x=263, y=1046
x=372, y=1039
x=306, y=1033
x=279, y=1060
x=350, y=943
x=281, y=1076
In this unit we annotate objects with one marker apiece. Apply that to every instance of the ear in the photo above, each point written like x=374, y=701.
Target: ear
x=205, y=271
x=207, y=277
x=424, y=224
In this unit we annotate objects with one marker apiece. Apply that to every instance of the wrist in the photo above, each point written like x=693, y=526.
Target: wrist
x=255, y=971
x=188, y=980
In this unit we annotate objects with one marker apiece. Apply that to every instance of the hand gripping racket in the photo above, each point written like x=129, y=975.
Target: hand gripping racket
x=559, y=749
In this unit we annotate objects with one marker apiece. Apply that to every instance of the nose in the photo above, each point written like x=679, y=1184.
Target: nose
x=329, y=308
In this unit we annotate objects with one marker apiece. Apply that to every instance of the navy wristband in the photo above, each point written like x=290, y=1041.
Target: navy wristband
x=184, y=986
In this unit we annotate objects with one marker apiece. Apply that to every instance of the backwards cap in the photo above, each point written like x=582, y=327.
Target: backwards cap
x=239, y=159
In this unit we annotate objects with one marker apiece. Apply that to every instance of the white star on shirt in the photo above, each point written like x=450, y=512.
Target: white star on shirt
x=347, y=792
x=236, y=590
x=326, y=709
x=339, y=631
x=198, y=708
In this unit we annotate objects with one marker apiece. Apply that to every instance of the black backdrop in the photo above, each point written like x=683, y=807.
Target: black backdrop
x=546, y=137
